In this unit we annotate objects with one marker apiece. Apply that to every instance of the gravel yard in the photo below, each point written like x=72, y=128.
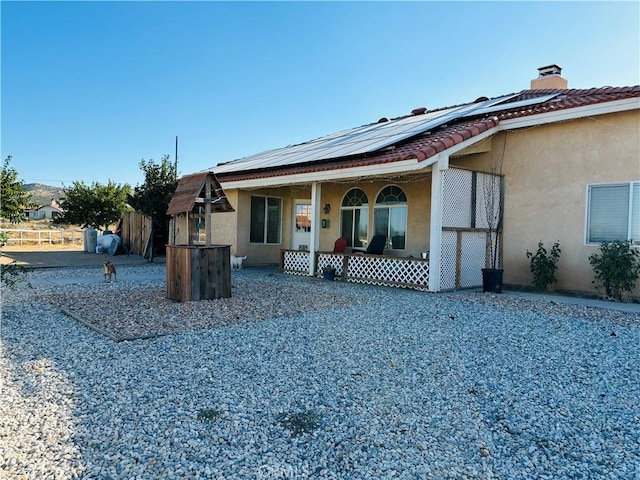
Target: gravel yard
x=301, y=378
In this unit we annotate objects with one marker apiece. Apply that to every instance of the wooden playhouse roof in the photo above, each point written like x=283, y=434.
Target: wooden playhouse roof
x=192, y=189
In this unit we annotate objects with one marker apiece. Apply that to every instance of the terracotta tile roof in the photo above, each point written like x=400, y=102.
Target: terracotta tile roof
x=428, y=144
x=570, y=98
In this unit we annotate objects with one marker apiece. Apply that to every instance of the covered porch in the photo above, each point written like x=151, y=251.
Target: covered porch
x=446, y=247
x=410, y=194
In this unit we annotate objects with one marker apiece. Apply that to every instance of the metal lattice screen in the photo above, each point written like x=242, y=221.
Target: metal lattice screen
x=488, y=199
x=469, y=201
x=457, y=189
x=472, y=258
x=448, y=256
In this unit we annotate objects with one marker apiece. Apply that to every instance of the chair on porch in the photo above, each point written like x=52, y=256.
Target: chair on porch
x=340, y=246
x=376, y=246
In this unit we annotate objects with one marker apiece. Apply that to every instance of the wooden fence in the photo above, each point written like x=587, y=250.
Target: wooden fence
x=60, y=236
x=136, y=233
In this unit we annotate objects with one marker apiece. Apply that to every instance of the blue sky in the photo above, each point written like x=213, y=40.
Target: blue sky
x=91, y=88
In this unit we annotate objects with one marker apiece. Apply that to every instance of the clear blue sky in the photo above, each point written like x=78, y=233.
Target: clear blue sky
x=91, y=88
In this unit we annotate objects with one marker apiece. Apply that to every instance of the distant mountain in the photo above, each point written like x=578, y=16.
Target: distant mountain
x=43, y=194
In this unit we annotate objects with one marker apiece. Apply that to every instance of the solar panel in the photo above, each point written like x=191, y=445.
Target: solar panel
x=509, y=105
x=369, y=138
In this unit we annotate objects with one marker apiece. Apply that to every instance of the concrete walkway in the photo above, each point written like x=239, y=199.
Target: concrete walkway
x=587, y=302
x=572, y=300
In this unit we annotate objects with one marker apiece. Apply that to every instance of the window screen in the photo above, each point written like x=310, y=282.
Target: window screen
x=609, y=216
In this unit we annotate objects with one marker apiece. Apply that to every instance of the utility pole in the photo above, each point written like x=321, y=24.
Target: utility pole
x=175, y=164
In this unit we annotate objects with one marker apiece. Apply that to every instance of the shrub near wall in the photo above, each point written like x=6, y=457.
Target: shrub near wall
x=616, y=269
x=544, y=265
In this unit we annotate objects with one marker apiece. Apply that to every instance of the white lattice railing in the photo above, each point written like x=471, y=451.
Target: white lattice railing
x=371, y=269
x=295, y=262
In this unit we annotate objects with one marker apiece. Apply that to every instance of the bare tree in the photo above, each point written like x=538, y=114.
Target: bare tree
x=493, y=209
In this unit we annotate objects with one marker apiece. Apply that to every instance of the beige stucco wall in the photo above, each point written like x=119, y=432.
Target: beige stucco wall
x=547, y=170
x=263, y=254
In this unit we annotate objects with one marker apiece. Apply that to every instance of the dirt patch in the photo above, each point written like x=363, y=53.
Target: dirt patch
x=44, y=247
x=64, y=256
x=146, y=312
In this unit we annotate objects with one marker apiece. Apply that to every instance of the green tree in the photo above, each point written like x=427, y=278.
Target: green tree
x=94, y=205
x=153, y=196
x=13, y=197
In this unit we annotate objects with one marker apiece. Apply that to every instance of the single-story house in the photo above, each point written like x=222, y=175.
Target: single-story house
x=44, y=211
x=551, y=163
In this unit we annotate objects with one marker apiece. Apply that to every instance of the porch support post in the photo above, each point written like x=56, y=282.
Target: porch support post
x=315, y=225
x=435, y=237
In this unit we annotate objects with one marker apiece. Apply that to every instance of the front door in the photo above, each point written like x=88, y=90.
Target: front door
x=301, y=236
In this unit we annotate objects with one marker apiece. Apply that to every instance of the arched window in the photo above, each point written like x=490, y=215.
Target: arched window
x=354, y=218
x=390, y=216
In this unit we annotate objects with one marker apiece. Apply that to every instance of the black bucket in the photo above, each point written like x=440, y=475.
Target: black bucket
x=492, y=280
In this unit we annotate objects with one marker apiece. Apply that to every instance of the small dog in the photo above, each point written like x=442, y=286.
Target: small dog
x=108, y=269
x=236, y=262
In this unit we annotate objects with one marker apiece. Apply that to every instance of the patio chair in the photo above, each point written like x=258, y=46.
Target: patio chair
x=376, y=246
x=397, y=241
x=340, y=246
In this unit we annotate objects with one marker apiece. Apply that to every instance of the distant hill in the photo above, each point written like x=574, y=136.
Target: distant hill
x=43, y=194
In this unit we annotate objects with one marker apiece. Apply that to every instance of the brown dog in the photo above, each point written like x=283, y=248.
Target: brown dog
x=108, y=269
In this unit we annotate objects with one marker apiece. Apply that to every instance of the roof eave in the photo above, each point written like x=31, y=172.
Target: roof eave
x=328, y=175
x=565, y=114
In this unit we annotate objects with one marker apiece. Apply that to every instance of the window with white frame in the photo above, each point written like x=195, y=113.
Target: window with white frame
x=354, y=218
x=266, y=219
x=613, y=212
x=390, y=216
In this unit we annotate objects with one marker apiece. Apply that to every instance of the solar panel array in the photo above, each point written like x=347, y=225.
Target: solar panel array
x=371, y=138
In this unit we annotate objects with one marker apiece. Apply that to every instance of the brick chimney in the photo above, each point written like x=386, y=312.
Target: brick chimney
x=549, y=78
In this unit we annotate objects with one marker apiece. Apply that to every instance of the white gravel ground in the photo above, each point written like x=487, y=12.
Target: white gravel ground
x=318, y=380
